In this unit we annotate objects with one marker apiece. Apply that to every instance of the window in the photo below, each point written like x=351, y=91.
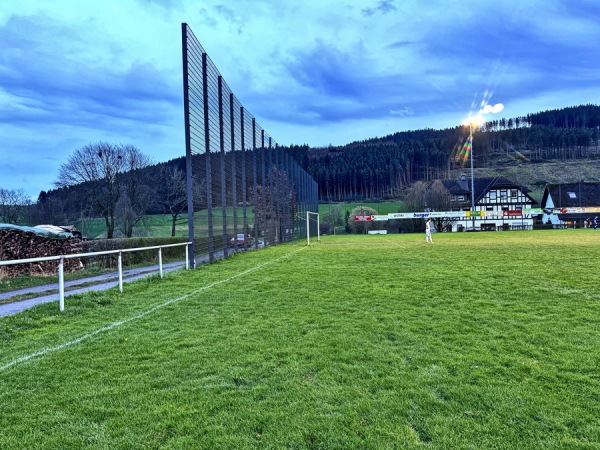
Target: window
x=460, y=198
x=492, y=195
x=513, y=193
x=572, y=194
x=489, y=208
x=503, y=194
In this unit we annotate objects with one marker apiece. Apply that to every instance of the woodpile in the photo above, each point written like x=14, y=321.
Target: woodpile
x=16, y=243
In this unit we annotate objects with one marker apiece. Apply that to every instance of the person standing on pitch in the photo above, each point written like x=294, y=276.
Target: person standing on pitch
x=428, y=231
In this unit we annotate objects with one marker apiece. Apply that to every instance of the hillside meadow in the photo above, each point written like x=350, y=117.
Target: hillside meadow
x=477, y=341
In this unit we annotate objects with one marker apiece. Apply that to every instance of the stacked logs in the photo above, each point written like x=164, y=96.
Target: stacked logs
x=19, y=244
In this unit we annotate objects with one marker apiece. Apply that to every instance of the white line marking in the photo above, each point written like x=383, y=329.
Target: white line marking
x=47, y=350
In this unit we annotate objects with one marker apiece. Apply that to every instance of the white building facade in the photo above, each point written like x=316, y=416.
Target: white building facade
x=500, y=204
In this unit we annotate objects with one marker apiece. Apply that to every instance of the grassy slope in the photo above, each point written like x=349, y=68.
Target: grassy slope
x=481, y=340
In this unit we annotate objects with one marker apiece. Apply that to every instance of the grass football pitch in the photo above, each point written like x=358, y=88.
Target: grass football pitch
x=477, y=341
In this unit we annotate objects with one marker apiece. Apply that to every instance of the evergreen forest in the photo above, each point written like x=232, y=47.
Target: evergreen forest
x=380, y=168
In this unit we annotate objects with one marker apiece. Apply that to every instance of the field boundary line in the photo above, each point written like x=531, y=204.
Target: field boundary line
x=113, y=325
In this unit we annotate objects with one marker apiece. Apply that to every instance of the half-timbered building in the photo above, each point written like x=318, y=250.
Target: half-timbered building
x=500, y=204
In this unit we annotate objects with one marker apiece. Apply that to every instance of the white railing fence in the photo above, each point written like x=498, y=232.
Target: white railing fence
x=61, y=260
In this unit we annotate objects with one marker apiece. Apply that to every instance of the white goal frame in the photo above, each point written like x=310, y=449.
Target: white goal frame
x=308, y=213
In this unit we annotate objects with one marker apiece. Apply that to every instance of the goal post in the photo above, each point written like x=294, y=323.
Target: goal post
x=308, y=213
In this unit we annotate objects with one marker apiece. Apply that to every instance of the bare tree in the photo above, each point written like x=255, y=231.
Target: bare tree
x=173, y=195
x=437, y=198
x=414, y=201
x=361, y=226
x=99, y=168
x=275, y=205
x=136, y=196
x=428, y=197
x=13, y=205
x=332, y=218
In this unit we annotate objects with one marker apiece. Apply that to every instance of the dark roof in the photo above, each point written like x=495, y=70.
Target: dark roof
x=455, y=188
x=565, y=195
x=482, y=186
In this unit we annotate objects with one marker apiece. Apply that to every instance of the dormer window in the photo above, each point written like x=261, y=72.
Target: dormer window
x=572, y=194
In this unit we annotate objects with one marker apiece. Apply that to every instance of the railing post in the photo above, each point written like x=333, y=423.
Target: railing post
x=121, y=272
x=187, y=261
x=160, y=268
x=61, y=284
x=307, y=230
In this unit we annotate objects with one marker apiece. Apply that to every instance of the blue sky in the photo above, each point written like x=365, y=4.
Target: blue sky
x=320, y=72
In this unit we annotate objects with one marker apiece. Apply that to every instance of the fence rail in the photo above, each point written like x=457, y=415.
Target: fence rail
x=61, y=258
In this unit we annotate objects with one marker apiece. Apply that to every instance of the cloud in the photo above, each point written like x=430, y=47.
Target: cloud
x=384, y=7
x=328, y=70
x=403, y=112
x=230, y=16
x=399, y=44
x=48, y=86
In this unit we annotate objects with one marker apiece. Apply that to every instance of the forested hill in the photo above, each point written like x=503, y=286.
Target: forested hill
x=531, y=150
x=380, y=168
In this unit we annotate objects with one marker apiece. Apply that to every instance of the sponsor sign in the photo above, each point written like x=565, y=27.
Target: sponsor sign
x=362, y=218
x=427, y=215
x=574, y=210
x=398, y=216
x=380, y=218
x=475, y=213
x=512, y=212
x=533, y=211
x=453, y=214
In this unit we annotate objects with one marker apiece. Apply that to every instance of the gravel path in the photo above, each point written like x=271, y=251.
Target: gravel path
x=100, y=283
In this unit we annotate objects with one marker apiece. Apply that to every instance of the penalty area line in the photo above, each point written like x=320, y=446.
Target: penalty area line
x=113, y=325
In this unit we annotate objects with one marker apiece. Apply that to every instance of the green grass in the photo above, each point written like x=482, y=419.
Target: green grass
x=480, y=340
x=157, y=225
x=154, y=225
